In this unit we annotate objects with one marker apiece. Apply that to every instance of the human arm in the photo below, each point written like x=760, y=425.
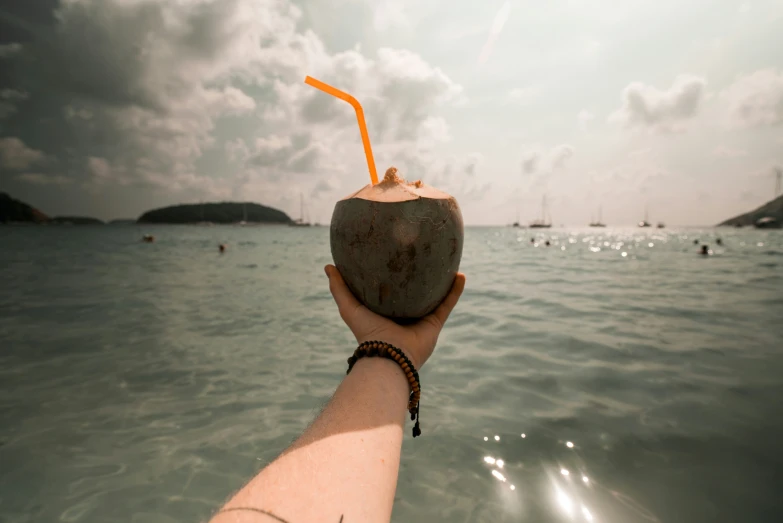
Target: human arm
x=344, y=467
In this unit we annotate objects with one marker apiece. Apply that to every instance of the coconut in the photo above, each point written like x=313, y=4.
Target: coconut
x=398, y=246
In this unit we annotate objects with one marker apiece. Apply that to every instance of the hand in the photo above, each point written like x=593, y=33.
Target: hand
x=417, y=340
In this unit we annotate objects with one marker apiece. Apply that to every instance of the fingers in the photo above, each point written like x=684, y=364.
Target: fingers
x=345, y=300
x=444, y=309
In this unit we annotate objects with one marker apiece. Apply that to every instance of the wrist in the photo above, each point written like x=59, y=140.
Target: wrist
x=384, y=372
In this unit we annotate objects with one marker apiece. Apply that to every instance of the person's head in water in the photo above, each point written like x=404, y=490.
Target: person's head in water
x=705, y=250
x=719, y=241
x=222, y=247
x=532, y=240
x=696, y=242
x=547, y=243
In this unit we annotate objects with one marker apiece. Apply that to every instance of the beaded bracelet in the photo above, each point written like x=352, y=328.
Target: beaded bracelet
x=386, y=350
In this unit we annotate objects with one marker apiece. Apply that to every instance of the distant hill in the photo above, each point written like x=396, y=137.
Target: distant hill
x=12, y=210
x=75, y=220
x=123, y=221
x=772, y=209
x=224, y=212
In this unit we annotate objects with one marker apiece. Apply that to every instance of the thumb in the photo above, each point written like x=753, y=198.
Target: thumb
x=441, y=314
x=347, y=304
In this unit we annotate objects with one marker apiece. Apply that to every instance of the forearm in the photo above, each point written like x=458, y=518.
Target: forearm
x=345, y=464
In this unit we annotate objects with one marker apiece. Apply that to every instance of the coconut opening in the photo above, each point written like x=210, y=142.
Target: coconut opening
x=393, y=188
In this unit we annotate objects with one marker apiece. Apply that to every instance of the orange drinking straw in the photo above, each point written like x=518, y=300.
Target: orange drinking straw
x=309, y=80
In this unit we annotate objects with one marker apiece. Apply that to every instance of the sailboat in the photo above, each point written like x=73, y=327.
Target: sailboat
x=244, y=214
x=516, y=223
x=300, y=222
x=645, y=222
x=599, y=223
x=542, y=223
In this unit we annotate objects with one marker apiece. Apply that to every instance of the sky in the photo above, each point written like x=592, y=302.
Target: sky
x=109, y=108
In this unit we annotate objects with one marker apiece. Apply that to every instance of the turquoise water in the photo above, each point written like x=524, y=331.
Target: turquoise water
x=147, y=382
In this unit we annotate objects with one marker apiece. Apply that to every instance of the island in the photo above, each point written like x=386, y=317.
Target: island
x=768, y=216
x=75, y=220
x=15, y=211
x=222, y=212
x=123, y=221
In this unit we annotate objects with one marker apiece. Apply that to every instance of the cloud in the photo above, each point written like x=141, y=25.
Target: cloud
x=542, y=161
x=16, y=156
x=755, y=100
x=647, y=107
x=294, y=153
x=139, y=93
x=723, y=151
x=44, y=179
x=584, y=118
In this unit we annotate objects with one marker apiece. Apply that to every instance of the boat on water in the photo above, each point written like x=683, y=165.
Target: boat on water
x=244, y=215
x=301, y=221
x=542, y=223
x=767, y=222
x=598, y=223
x=645, y=222
x=516, y=223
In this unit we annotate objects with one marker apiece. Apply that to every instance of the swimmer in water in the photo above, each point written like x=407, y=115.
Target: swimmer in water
x=532, y=240
x=222, y=248
x=719, y=241
x=705, y=250
x=148, y=238
x=547, y=243
x=695, y=242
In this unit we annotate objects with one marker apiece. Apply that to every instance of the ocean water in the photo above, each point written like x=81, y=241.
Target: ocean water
x=619, y=376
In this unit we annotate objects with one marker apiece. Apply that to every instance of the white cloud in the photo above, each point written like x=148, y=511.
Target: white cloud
x=584, y=118
x=755, y=100
x=151, y=86
x=16, y=156
x=723, y=151
x=646, y=106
